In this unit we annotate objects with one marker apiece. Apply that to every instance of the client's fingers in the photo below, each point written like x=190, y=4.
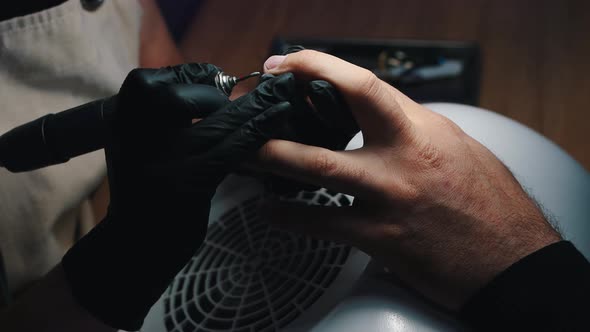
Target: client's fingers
x=336, y=170
x=377, y=107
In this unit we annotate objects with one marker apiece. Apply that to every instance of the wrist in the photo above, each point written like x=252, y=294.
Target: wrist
x=516, y=237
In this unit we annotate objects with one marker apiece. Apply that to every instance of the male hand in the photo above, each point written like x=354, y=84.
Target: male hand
x=432, y=203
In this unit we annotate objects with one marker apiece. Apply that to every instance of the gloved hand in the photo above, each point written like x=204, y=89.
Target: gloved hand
x=163, y=172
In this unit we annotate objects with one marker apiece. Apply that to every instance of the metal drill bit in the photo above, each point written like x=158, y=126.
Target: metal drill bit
x=253, y=74
x=226, y=83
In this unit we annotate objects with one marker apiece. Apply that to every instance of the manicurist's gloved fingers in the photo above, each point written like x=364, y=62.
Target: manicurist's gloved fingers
x=160, y=195
x=226, y=120
x=189, y=73
x=166, y=98
x=332, y=108
x=225, y=150
x=190, y=101
x=245, y=140
x=265, y=77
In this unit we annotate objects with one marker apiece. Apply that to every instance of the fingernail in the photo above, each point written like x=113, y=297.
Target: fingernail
x=274, y=61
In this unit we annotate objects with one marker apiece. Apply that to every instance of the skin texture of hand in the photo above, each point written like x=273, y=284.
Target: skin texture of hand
x=431, y=203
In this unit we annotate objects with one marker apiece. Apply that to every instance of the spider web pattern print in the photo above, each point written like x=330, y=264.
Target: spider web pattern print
x=248, y=276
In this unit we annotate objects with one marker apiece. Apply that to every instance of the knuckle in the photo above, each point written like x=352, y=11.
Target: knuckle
x=430, y=156
x=401, y=191
x=369, y=86
x=136, y=75
x=323, y=164
x=140, y=78
x=268, y=152
x=411, y=194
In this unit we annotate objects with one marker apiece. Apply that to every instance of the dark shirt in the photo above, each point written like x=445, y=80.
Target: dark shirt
x=549, y=290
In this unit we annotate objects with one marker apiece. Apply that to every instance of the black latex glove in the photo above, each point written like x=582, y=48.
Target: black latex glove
x=327, y=122
x=163, y=172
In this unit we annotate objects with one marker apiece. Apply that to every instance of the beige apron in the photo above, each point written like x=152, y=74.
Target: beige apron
x=50, y=61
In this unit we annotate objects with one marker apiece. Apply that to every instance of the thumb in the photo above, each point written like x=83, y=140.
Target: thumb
x=377, y=107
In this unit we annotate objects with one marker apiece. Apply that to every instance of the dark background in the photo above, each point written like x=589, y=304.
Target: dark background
x=535, y=54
